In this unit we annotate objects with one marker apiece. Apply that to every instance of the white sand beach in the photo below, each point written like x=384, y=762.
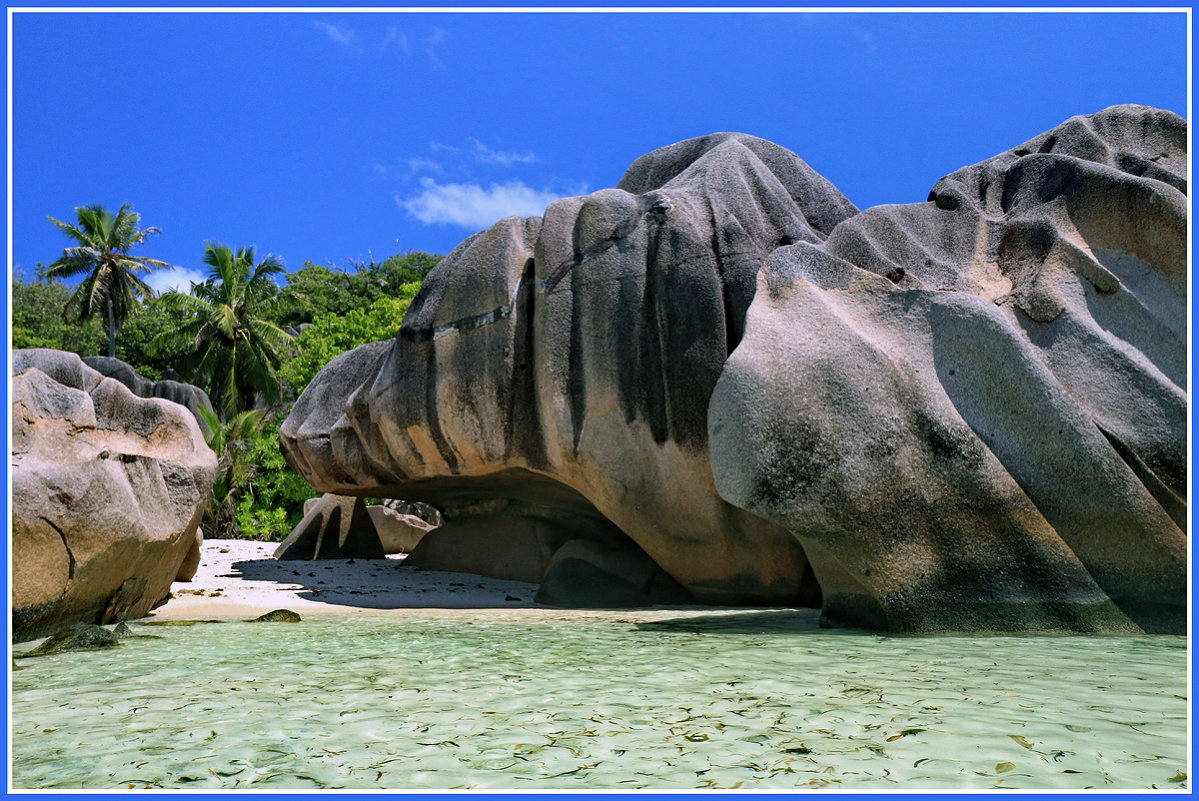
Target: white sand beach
x=240, y=578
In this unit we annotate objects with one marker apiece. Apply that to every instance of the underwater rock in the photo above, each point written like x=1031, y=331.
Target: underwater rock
x=962, y=414
x=278, y=616
x=108, y=491
x=75, y=637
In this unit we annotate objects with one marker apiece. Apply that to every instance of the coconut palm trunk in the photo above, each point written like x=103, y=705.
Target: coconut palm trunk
x=112, y=329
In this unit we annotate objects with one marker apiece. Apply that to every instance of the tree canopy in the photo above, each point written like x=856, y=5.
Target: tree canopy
x=227, y=336
x=230, y=343
x=111, y=285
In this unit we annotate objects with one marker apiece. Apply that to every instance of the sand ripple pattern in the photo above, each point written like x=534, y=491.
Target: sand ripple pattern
x=553, y=700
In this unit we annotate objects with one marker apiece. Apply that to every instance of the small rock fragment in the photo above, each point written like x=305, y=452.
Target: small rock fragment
x=278, y=616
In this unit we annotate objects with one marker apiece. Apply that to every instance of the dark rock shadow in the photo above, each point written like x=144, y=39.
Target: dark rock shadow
x=792, y=622
x=387, y=584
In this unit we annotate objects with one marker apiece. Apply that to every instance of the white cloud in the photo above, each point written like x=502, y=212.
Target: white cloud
x=486, y=155
x=472, y=205
x=347, y=38
x=416, y=165
x=395, y=37
x=407, y=169
x=433, y=40
x=178, y=279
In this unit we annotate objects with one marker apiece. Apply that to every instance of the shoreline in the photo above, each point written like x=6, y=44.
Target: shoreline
x=240, y=579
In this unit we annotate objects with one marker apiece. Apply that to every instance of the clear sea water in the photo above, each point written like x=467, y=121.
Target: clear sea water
x=552, y=700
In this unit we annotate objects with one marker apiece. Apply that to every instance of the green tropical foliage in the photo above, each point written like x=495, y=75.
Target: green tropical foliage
x=328, y=290
x=231, y=441
x=111, y=286
x=333, y=333
x=230, y=345
x=37, y=320
x=272, y=501
x=136, y=346
x=227, y=337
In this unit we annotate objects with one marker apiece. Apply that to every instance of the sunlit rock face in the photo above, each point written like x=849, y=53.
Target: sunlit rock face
x=565, y=363
x=175, y=391
x=107, y=494
x=962, y=414
x=971, y=411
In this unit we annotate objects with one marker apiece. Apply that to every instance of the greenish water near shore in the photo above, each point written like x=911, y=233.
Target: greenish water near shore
x=554, y=700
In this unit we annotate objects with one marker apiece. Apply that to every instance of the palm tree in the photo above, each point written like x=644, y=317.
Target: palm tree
x=232, y=347
x=111, y=285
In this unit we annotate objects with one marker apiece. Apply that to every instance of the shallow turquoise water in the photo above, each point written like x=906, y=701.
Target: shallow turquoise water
x=552, y=700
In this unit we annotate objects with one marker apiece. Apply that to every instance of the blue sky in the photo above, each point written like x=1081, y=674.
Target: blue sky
x=328, y=137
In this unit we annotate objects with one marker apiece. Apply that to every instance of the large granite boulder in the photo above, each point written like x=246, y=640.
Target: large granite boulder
x=961, y=414
x=187, y=395
x=971, y=412
x=107, y=494
x=333, y=527
x=565, y=362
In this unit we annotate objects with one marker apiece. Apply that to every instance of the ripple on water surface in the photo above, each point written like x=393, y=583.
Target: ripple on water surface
x=553, y=700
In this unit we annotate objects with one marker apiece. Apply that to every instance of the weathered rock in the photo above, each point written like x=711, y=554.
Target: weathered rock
x=424, y=511
x=400, y=524
x=588, y=574
x=191, y=560
x=337, y=527
x=963, y=414
x=567, y=361
x=75, y=637
x=398, y=533
x=976, y=417
x=186, y=395
x=108, y=490
x=278, y=616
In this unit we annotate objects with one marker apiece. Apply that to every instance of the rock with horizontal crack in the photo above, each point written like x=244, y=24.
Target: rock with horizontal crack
x=564, y=363
x=108, y=491
x=962, y=414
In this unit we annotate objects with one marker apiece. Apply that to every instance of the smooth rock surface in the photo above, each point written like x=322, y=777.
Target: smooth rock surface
x=398, y=533
x=108, y=491
x=188, y=395
x=963, y=414
x=335, y=527
x=976, y=418
x=567, y=361
x=191, y=561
